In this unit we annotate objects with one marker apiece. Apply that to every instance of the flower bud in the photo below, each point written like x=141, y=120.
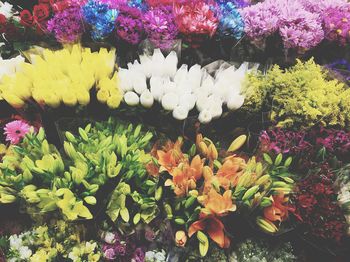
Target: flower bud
x=131, y=98
x=180, y=238
x=69, y=99
x=146, y=99
x=91, y=200
x=180, y=113
x=205, y=116
x=170, y=101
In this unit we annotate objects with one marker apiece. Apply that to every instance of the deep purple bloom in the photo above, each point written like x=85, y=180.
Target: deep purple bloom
x=67, y=25
x=129, y=25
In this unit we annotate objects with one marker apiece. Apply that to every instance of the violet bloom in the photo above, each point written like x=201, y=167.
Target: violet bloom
x=109, y=253
x=129, y=25
x=160, y=27
x=16, y=130
x=67, y=25
x=337, y=24
x=138, y=256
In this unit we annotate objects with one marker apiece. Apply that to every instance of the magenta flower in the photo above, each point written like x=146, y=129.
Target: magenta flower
x=16, y=130
x=109, y=253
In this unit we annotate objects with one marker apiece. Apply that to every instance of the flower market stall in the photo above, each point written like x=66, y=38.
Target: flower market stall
x=174, y=130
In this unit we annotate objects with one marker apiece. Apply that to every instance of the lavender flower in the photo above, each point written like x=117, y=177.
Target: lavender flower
x=160, y=27
x=337, y=24
x=129, y=25
x=67, y=25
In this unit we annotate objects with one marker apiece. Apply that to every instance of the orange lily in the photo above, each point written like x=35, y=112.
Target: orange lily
x=213, y=226
x=171, y=156
x=217, y=204
x=185, y=176
x=230, y=171
x=277, y=211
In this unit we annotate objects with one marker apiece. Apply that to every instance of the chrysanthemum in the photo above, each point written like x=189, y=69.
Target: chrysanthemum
x=15, y=131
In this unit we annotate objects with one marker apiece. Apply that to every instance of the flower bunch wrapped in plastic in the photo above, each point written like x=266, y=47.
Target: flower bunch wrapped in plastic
x=300, y=95
x=129, y=25
x=181, y=90
x=67, y=25
x=100, y=17
x=9, y=67
x=196, y=19
x=9, y=22
x=299, y=28
x=160, y=27
x=231, y=24
x=64, y=76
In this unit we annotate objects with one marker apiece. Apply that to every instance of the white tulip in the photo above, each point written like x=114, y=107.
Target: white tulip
x=126, y=83
x=139, y=82
x=157, y=87
x=24, y=252
x=202, y=102
x=180, y=113
x=147, y=99
x=205, y=116
x=188, y=101
x=170, y=64
x=169, y=87
x=235, y=102
x=131, y=98
x=158, y=63
x=216, y=110
x=181, y=74
x=170, y=101
x=146, y=65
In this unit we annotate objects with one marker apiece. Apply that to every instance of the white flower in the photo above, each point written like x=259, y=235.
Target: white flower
x=139, y=82
x=188, y=101
x=170, y=64
x=146, y=65
x=216, y=110
x=160, y=256
x=147, y=99
x=158, y=63
x=157, y=87
x=131, y=98
x=181, y=74
x=24, y=252
x=170, y=101
x=149, y=256
x=235, y=102
x=205, y=116
x=15, y=242
x=180, y=113
x=109, y=237
x=202, y=102
x=10, y=66
x=6, y=9
x=169, y=87
x=126, y=83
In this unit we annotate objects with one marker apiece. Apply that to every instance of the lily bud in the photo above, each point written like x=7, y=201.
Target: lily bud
x=212, y=152
x=180, y=238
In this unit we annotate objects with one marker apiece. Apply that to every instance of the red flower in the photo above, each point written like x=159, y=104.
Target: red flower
x=41, y=12
x=3, y=22
x=59, y=5
x=26, y=18
x=11, y=31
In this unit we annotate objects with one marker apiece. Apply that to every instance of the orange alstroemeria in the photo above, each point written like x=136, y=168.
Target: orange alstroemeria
x=277, y=211
x=171, y=156
x=213, y=227
x=218, y=204
x=230, y=171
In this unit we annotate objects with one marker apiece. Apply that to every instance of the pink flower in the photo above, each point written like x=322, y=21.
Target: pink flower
x=16, y=130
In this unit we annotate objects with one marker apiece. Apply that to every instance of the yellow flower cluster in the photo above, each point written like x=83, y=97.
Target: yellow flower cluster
x=302, y=95
x=65, y=76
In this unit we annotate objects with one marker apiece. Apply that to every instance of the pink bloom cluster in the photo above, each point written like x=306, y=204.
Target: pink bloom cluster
x=299, y=28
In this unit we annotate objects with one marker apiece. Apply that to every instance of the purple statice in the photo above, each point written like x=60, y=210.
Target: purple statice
x=299, y=28
x=160, y=26
x=129, y=25
x=67, y=25
x=337, y=24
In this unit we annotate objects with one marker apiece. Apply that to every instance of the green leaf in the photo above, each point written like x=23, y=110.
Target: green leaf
x=137, y=218
x=203, y=243
x=278, y=159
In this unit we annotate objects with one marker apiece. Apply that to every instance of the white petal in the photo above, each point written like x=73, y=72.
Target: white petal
x=170, y=101
x=235, y=102
x=147, y=99
x=180, y=113
x=205, y=116
x=131, y=98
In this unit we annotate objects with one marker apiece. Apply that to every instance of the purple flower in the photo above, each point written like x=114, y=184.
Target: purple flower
x=337, y=24
x=139, y=255
x=149, y=234
x=109, y=253
x=67, y=25
x=129, y=25
x=120, y=249
x=160, y=26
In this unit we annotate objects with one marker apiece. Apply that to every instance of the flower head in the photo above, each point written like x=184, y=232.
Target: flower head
x=16, y=130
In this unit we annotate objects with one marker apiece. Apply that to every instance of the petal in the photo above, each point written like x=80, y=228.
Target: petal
x=215, y=230
x=196, y=226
